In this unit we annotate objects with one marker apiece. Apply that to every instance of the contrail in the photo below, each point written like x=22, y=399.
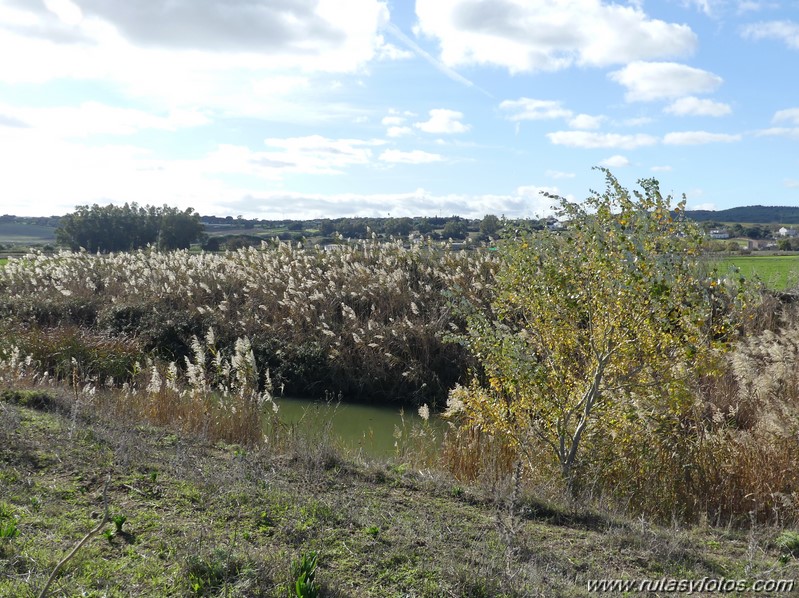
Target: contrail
x=419, y=51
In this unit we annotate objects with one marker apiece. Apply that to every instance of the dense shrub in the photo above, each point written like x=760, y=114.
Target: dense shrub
x=367, y=319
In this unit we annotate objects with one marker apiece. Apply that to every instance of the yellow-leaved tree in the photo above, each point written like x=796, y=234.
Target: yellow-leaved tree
x=612, y=313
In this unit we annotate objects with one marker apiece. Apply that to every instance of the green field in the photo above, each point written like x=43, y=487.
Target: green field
x=778, y=272
x=3, y=261
x=16, y=232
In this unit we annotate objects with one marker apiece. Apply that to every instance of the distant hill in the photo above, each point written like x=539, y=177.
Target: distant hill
x=749, y=214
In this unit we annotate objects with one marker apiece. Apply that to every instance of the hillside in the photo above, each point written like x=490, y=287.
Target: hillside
x=749, y=214
x=25, y=233
x=218, y=520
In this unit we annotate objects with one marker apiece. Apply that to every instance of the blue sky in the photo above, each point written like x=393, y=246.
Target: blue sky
x=325, y=108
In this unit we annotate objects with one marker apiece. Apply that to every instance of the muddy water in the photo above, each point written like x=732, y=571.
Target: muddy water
x=366, y=429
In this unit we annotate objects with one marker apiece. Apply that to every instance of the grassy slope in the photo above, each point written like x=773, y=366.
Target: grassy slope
x=206, y=520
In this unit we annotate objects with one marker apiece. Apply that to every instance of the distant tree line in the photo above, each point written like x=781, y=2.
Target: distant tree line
x=123, y=228
x=749, y=214
x=36, y=220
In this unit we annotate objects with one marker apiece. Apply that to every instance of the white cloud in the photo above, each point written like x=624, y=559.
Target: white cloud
x=79, y=174
x=525, y=201
x=279, y=85
x=791, y=183
x=93, y=118
x=785, y=31
x=647, y=81
x=558, y=174
x=693, y=106
x=745, y=6
x=235, y=58
x=616, y=161
x=443, y=121
x=7, y=120
x=524, y=36
x=637, y=121
x=543, y=205
x=703, y=206
x=790, y=115
x=531, y=109
x=394, y=156
x=273, y=28
x=664, y=168
x=314, y=154
x=67, y=12
x=398, y=131
x=395, y=121
x=705, y=6
x=592, y=140
x=432, y=60
x=698, y=138
x=790, y=132
x=391, y=52
x=586, y=121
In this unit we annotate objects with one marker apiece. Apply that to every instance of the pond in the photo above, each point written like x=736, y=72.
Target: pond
x=368, y=430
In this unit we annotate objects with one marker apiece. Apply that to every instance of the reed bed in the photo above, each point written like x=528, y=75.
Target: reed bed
x=368, y=319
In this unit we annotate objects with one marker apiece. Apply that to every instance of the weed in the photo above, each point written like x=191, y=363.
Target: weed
x=35, y=399
x=6, y=512
x=119, y=521
x=303, y=572
x=36, y=504
x=209, y=574
x=788, y=542
x=8, y=529
x=264, y=521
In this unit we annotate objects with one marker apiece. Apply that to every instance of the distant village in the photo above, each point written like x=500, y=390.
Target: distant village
x=742, y=230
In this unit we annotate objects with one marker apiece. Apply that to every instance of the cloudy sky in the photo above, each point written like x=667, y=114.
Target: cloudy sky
x=309, y=108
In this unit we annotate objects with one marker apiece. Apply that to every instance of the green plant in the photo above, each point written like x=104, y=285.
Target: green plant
x=8, y=529
x=264, y=521
x=213, y=571
x=303, y=572
x=788, y=542
x=373, y=531
x=594, y=325
x=119, y=521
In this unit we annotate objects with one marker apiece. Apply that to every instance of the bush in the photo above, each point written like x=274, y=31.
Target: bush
x=592, y=338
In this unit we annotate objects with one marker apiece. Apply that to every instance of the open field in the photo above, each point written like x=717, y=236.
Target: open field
x=201, y=519
x=777, y=272
x=13, y=232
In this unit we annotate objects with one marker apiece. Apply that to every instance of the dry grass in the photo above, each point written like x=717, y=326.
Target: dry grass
x=368, y=320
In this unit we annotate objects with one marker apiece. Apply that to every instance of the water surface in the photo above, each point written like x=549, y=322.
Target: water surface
x=371, y=430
